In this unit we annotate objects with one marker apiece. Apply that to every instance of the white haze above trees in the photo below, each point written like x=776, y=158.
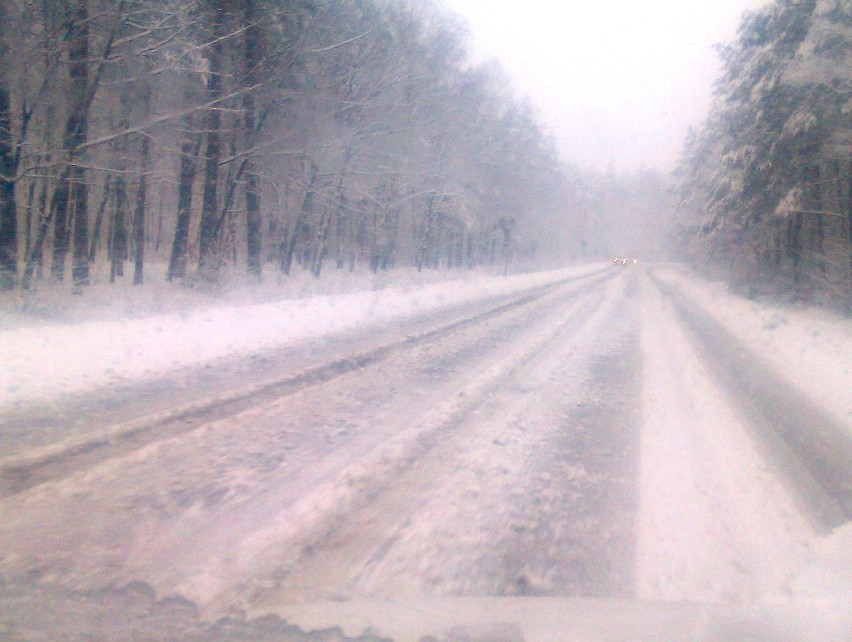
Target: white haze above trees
x=618, y=82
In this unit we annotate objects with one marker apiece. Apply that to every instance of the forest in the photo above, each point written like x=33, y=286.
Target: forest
x=765, y=185
x=189, y=139
x=182, y=139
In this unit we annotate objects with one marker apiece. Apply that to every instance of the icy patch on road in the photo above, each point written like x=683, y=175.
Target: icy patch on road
x=46, y=361
x=811, y=348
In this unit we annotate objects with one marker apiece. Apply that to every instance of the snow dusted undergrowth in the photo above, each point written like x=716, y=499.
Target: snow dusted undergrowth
x=111, y=335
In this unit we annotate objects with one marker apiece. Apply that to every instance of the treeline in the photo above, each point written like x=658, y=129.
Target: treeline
x=767, y=181
x=211, y=135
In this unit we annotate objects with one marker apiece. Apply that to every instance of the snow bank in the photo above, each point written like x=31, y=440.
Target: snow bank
x=49, y=360
x=50, y=303
x=810, y=347
x=818, y=603
x=714, y=523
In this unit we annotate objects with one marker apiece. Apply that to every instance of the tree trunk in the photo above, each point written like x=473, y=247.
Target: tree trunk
x=816, y=204
x=43, y=215
x=437, y=241
x=79, y=73
x=334, y=210
x=254, y=240
x=305, y=212
x=848, y=208
x=80, y=200
x=35, y=252
x=426, y=241
x=795, y=246
x=71, y=189
x=777, y=250
x=118, y=242
x=35, y=256
x=159, y=238
x=96, y=232
x=460, y=245
x=321, y=242
x=28, y=217
x=8, y=211
x=392, y=232
x=177, y=262
x=139, y=216
x=59, y=211
x=340, y=231
x=254, y=234
x=212, y=125
x=359, y=232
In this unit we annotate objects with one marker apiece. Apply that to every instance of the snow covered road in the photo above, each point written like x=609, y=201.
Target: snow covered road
x=572, y=438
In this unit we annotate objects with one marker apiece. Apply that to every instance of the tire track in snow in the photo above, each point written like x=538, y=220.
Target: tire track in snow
x=478, y=475
x=296, y=542
x=715, y=525
x=810, y=449
x=183, y=512
x=23, y=471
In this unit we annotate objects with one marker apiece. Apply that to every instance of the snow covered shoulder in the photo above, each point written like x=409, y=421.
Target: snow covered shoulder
x=49, y=360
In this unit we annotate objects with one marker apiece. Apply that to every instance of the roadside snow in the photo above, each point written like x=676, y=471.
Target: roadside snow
x=714, y=524
x=48, y=360
x=810, y=347
x=51, y=303
x=817, y=604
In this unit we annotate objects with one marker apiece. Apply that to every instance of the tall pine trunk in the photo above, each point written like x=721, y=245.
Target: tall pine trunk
x=8, y=211
x=59, y=214
x=35, y=250
x=848, y=208
x=177, y=262
x=254, y=240
x=141, y=205
x=80, y=199
x=139, y=216
x=426, y=239
x=99, y=220
x=212, y=126
x=71, y=191
x=79, y=73
x=305, y=213
x=118, y=229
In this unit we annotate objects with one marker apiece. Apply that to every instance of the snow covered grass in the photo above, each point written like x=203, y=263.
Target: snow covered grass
x=51, y=303
x=143, y=334
x=811, y=347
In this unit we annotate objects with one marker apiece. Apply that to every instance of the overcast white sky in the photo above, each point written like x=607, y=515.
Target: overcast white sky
x=618, y=82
